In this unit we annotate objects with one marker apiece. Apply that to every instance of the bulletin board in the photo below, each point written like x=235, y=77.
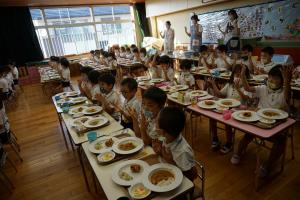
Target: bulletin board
x=278, y=20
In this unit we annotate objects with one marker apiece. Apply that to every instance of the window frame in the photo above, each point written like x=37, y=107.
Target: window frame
x=93, y=23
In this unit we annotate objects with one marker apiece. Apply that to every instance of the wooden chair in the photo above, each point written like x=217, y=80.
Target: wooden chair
x=12, y=142
x=201, y=176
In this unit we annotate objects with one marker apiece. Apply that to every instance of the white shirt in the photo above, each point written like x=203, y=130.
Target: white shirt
x=151, y=129
x=208, y=61
x=186, y=77
x=65, y=73
x=132, y=104
x=10, y=80
x=112, y=97
x=95, y=90
x=4, y=85
x=221, y=63
x=230, y=92
x=122, y=54
x=233, y=32
x=168, y=37
x=15, y=73
x=182, y=153
x=266, y=67
x=3, y=121
x=155, y=72
x=129, y=56
x=112, y=64
x=170, y=74
x=269, y=98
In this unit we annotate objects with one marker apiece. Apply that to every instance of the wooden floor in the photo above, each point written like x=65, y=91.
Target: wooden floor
x=49, y=171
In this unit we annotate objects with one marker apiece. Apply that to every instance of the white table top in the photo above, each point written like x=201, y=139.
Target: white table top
x=106, y=130
x=114, y=191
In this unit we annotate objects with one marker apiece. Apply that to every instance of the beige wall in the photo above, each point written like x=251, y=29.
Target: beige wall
x=182, y=18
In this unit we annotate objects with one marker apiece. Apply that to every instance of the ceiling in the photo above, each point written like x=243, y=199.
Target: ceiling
x=42, y=3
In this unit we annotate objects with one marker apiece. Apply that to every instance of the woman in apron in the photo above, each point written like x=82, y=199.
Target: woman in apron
x=168, y=36
x=232, y=32
x=195, y=34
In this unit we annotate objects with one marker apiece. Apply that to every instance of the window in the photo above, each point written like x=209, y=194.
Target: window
x=75, y=30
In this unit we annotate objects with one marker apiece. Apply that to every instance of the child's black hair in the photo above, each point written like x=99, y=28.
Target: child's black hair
x=135, y=50
x=168, y=22
x=222, y=48
x=247, y=47
x=132, y=46
x=276, y=71
x=107, y=78
x=130, y=83
x=92, y=52
x=164, y=60
x=185, y=64
x=93, y=76
x=143, y=50
x=171, y=120
x=123, y=48
x=155, y=94
x=203, y=48
x=85, y=70
x=64, y=62
x=152, y=57
x=54, y=59
x=268, y=50
x=233, y=12
x=111, y=54
x=195, y=17
x=128, y=49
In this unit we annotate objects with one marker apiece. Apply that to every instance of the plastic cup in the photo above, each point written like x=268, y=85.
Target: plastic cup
x=226, y=114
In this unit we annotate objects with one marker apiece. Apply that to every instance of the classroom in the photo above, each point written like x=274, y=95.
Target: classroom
x=149, y=99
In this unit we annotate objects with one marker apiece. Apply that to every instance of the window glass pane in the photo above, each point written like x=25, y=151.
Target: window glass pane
x=122, y=12
x=44, y=41
x=118, y=33
x=72, y=40
x=103, y=13
x=57, y=16
x=37, y=18
x=80, y=15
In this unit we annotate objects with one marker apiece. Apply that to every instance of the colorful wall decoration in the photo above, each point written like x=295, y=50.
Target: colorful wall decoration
x=278, y=20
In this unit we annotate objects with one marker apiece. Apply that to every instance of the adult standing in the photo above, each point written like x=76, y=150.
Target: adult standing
x=195, y=33
x=232, y=32
x=168, y=36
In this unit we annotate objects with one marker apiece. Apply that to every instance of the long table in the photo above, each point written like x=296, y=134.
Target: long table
x=260, y=133
x=114, y=191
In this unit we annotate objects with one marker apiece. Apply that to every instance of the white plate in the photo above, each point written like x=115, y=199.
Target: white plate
x=145, y=83
x=125, y=167
x=91, y=110
x=260, y=77
x=76, y=110
x=225, y=74
x=101, y=157
x=143, y=78
x=238, y=115
x=157, y=80
x=138, y=143
x=179, y=87
x=280, y=114
x=78, y=100
x=178, y=176
x=267, y=121
x=99, y=121
x=80, y=121
x=146, y=191
x=101, y=142
x=198, y=93
x=202, y=104
x=234, y=103
x=174, y=95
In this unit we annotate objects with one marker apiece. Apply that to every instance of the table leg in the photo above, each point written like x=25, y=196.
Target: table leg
x=82, y=167
x=70, y=139
x=256, y=177
x=62, y=131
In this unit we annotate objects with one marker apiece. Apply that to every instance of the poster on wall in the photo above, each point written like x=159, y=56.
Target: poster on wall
x=273, y=21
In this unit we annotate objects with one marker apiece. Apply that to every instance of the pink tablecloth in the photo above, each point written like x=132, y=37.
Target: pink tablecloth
x=248, y=128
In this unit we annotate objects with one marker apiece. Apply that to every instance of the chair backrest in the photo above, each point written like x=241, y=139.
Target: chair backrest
x=3, y=156
x=201, y=176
